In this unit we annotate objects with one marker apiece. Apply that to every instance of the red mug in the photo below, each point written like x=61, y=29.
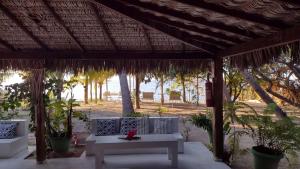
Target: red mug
x=131, y=134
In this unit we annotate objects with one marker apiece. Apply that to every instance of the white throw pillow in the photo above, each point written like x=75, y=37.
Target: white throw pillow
x=142, y=125
x=162, y=126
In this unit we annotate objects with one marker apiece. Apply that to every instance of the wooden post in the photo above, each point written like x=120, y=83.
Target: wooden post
x=37, y=90
x=218, y=134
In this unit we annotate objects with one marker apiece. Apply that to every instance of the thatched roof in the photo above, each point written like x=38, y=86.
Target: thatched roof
x=68, y=34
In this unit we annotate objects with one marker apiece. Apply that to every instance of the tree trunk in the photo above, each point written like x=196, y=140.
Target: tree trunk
x=100, y=91
x=226, y=94
x=263, y=95
x=126, y=98
x=137, y=92
x=162, y=100
x=106, y=89
x=296, y=71
x=129, y=83
x=86, y=89
x=285, y=99
x=60, y=84
x=183, y=87
x=96, y=91
x=91, y=90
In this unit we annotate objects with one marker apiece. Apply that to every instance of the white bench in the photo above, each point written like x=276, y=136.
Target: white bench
x=90, y=141
x=11, y=147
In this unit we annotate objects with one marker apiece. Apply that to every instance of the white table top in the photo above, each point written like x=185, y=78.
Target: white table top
x=144, y=138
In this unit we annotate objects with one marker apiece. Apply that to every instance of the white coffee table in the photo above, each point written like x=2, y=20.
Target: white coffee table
x=146, y=141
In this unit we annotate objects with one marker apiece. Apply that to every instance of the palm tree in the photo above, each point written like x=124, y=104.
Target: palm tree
x=140, y=77
x=99, y=79
x=162, y=100
x=127, y=108
x=182, y=81
x=60, y=85
x=96, y=91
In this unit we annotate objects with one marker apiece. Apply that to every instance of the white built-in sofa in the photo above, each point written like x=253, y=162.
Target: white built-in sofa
x=174, y=132
x=13, y=146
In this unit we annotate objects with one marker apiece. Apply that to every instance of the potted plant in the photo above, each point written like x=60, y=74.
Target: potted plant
x=274, y=139
x=59, y=124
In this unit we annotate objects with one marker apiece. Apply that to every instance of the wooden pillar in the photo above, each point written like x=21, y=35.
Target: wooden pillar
x=218, y=136
x=37, y=89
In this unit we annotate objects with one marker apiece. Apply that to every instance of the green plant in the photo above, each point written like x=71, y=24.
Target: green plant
x=231, y=118
x=203, y=121
x=275, y=137
x=162, y=110
x=137, y=114
x=80, y=115
x=57, y=119
x=8, y=110
x=15, y=95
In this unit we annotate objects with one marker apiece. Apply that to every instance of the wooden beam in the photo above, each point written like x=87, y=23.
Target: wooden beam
x=37, y=91
x=250, y=17
x=293, y=2
x=10, y=15
x=196, y=19
x=147, y=38
x=276, y=39
x=142, y=18
x=61, y=22
x=103, y=26
x=176, y=25
x=7, y=45
x=104, y=55
x=185, y=26
x=218, y=132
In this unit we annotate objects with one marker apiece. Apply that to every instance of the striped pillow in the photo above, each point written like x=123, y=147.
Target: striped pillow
x=142, y=125
x=162, y=126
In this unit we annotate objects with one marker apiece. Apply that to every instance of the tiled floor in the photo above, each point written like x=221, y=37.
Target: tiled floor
x=196, y=156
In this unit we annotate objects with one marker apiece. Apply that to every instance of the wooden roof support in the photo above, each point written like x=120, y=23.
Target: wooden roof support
x=250, y=17
x=192, y=28
x=293, y=2
x=103, y=26
x=218, y=132
x=37, y=91
x=142, y=18
x=61, y=22
x=147, y=38
x=104, y=55
x=276, y=39
x=7, y=45
x=9, y=14
x=191, y=18
x=227, y=41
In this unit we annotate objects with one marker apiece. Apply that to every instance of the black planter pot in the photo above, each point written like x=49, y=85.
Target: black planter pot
x=60, y=144
x=264, y=160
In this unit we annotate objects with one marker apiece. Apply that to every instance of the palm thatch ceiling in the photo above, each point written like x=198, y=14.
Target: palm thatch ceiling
x=145, y=34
